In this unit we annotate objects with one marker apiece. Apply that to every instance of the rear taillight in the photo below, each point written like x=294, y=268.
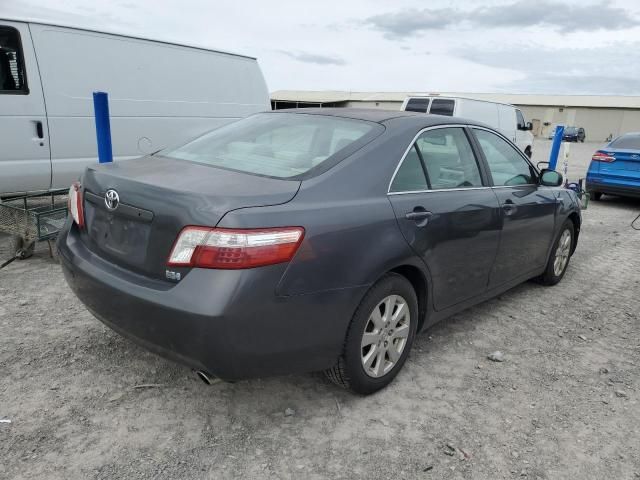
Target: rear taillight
x=225, y=248
x=601, y=156
x=74, y=203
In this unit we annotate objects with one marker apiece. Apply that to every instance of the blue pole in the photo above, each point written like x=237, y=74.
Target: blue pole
x=103, y=128
x=555, y=147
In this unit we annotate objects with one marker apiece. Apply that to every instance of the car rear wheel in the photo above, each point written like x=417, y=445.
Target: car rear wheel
x=595, y=195
x=379, y=338
x=560, y=255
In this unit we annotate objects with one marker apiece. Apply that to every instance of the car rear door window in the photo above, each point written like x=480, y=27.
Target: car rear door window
x=410, y=176
x=449, y=159
x=507, y=166
x=441, y=106
x=417, y=105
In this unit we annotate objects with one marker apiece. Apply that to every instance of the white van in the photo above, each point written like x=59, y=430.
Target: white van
x=504, y=117
x=159, y=94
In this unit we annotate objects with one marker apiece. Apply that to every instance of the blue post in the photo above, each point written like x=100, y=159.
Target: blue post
x=555, y=147
x=103, y=128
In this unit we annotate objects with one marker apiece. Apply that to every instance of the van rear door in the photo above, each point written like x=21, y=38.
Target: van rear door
x=25, y=160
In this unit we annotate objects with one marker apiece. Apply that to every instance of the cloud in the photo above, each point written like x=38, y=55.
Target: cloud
x=564, y=17
x=561, y=16
x=575, y=84
x=411, y=22
x=82, y=16
x=314, y=58
x=610, y=69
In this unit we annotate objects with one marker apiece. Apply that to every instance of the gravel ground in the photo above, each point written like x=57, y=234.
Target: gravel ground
x=85, y=403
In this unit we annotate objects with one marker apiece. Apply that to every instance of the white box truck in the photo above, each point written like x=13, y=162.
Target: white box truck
x=160, y=94
x=504, y=117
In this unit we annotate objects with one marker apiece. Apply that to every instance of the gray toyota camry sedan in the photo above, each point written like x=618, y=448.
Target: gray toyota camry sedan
x=308, y=240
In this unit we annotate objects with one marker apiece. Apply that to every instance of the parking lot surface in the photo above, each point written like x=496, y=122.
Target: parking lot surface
x=79, y=401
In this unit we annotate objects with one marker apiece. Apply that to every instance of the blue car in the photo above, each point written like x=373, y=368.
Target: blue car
x=615, y=169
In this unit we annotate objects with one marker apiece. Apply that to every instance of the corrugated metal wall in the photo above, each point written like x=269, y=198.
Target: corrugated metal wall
x=598, y=123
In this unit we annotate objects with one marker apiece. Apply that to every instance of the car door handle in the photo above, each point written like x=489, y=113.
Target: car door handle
x=509, y=207
x=419, y=215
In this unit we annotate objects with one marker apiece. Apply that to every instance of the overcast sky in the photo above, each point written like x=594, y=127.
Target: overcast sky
x=515, y=46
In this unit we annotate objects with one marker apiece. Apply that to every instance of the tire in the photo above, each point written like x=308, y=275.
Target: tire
x=595, y=195
x=26, y=251
x=350, y=371
x=15, y=245
x=563, y=246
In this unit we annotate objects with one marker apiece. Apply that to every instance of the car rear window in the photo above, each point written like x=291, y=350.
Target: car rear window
x=631, y=142
x=281, y=145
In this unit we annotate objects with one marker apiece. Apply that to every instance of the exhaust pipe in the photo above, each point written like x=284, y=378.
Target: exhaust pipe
x=207, y=378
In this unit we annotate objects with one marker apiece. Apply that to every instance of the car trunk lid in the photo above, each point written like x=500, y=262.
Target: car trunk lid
x=157, y=197
x=624, y=159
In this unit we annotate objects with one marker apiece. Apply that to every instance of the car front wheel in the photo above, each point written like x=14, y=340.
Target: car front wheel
x=560, y=255
x=379, y=337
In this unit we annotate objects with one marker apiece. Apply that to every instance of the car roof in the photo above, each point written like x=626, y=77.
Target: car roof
x=380, y=115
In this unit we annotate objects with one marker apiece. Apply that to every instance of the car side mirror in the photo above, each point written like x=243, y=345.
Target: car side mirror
x=550, y=178
x=529, y=126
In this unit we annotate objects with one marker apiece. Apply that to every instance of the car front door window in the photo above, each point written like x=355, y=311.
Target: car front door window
x=506, y=164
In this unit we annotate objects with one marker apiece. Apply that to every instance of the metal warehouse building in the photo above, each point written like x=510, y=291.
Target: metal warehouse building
x=600, y=116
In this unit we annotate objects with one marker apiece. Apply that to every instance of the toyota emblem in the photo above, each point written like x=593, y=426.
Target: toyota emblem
x=111, y=199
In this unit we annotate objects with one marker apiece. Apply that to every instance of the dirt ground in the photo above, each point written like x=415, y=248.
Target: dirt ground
x=78, y=401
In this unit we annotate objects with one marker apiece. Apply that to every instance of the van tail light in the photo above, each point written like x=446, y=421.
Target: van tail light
x=231, y=249
x=601, y=156
x=74, y=204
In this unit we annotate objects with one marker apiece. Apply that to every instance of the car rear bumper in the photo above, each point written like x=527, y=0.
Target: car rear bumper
x=227, y=323
x=612, y=188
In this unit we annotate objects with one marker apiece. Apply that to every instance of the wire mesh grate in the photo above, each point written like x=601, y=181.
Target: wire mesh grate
x=34, y=217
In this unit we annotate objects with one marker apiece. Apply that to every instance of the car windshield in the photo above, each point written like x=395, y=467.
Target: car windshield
x=281, y=145
x=571, y=130
x=630, y=142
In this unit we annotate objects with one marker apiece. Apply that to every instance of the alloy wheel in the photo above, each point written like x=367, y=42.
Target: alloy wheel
x=563, y=251
x=385, y=336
